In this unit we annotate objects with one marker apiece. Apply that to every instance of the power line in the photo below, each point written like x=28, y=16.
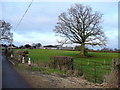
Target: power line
x=23, y=15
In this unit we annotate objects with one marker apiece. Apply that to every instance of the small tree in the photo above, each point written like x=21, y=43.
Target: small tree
x=5, y=33
x=27, y=46
x=21, y=47
x=105, y=49
x=36, y=45
x=81, y=25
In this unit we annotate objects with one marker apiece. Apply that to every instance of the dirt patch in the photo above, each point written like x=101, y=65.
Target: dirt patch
x=40, y=80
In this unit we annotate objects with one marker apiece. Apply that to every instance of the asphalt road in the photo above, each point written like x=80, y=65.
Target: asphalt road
x=10, y=78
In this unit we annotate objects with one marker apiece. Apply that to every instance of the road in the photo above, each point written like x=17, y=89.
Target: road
x=10, y=78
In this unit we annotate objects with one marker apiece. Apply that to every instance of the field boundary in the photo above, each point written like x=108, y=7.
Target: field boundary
x=95, y=73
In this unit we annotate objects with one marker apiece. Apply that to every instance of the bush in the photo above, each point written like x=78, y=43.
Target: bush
x=63, y=62
x=113, y=79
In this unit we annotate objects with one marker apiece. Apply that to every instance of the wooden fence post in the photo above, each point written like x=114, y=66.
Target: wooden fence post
x=81, y=67
x=88, y=62
x=95, y=71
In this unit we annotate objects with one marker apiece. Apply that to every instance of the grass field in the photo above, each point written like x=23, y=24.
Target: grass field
x=45, y=55
x=40, y=55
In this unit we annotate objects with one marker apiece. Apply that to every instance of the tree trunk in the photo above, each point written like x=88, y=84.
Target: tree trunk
x=83, y=49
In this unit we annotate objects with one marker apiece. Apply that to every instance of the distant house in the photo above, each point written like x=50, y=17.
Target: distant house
x=50, y=47
x=67, y=48
x=58, y=47
x=42, y=47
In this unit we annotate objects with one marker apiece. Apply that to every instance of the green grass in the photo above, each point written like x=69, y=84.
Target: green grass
x=88, y=67
x=45, y=55
x=39, y=68
x=46, y=70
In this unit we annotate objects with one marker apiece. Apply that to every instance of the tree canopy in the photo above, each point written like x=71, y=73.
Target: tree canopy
x=81, y=25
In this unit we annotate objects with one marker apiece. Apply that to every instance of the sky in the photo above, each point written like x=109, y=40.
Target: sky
x=41, y=18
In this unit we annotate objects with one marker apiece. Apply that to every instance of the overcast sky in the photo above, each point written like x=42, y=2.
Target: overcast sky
x=41, y=18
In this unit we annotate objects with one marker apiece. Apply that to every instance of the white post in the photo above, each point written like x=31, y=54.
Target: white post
x=29, y=62
x=23, y=60
x=11, y=56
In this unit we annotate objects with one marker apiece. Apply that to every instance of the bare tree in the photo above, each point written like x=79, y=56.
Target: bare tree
x=5, y=33
x=36, y=45
x=81, y=25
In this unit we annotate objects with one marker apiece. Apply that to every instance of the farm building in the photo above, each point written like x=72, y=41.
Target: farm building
x=58, y=47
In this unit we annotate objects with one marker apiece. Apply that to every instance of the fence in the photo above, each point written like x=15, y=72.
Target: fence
x=113, y=79
x=93, y=71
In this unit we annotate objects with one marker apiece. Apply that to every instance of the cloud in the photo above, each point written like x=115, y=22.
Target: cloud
x=111, y=22
x=41, y=18
x=112, y=37
x=61, y=0
x=34, y=37
x=39, y=21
